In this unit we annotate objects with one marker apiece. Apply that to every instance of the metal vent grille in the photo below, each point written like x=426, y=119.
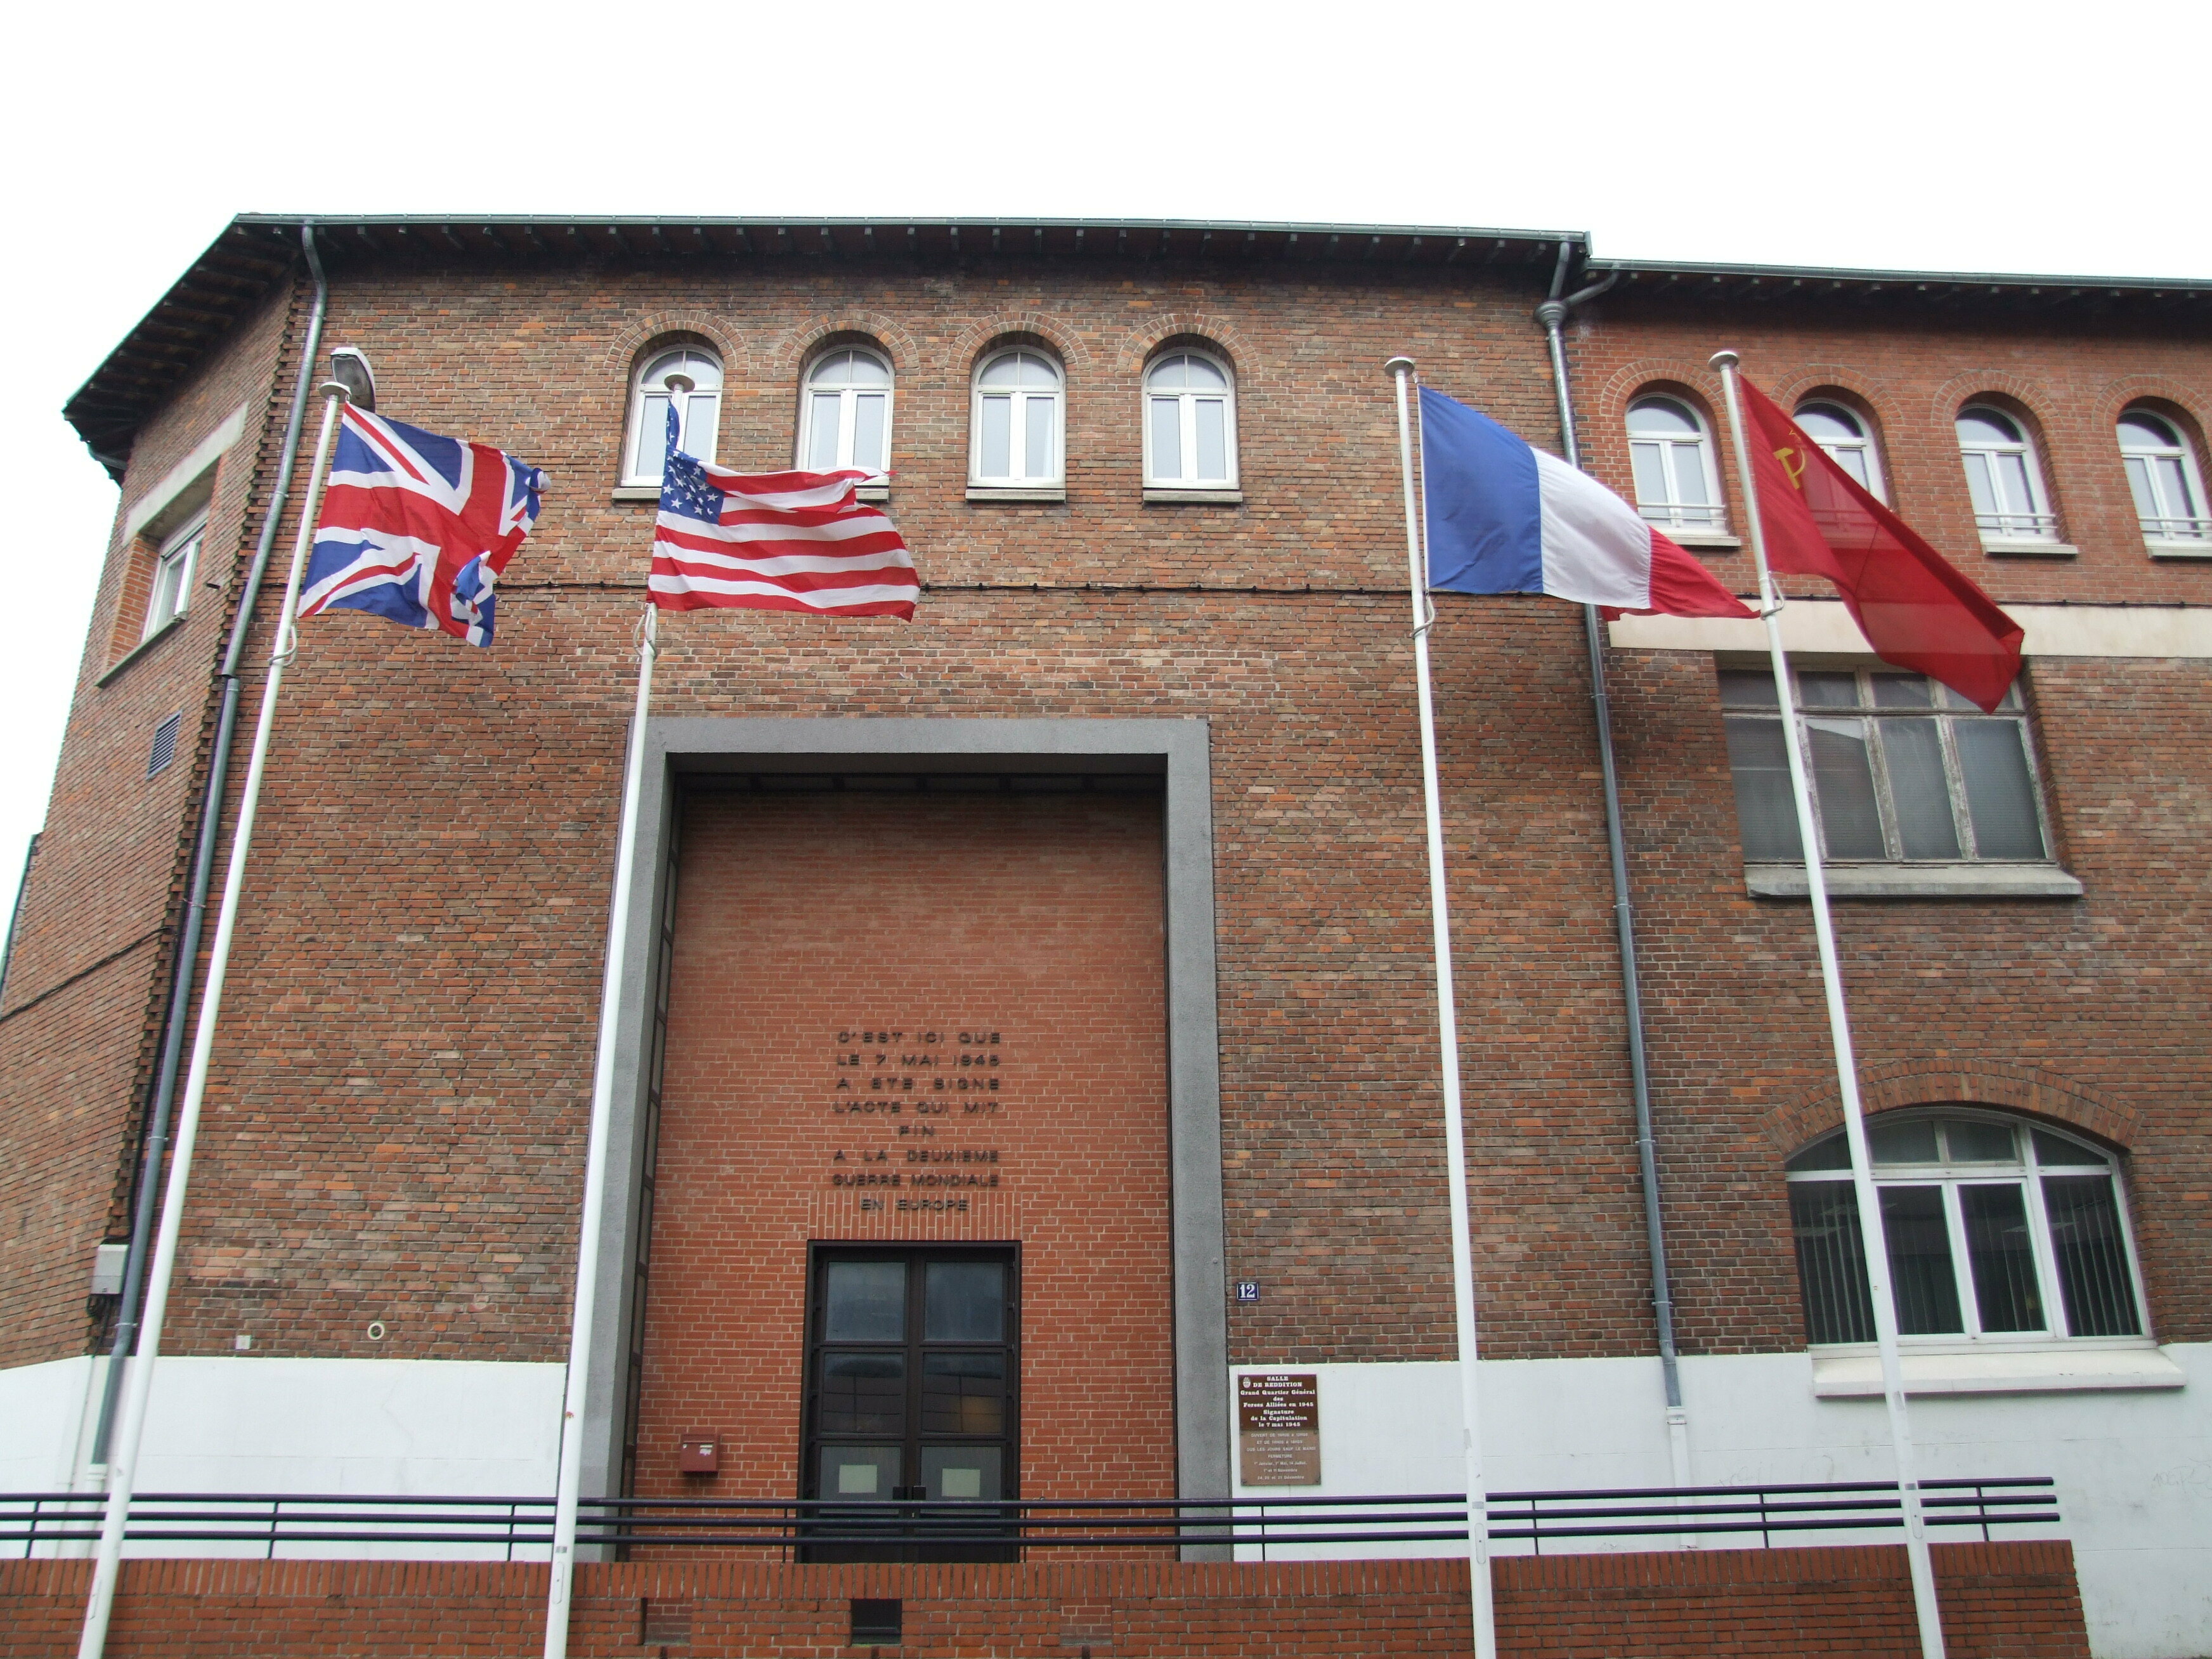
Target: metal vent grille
x=165, y=744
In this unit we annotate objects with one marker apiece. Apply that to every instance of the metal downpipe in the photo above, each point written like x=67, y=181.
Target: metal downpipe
x=1552, y=314
x=188, y=943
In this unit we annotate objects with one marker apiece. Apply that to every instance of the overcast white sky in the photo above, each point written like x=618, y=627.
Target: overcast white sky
x=1934, y=134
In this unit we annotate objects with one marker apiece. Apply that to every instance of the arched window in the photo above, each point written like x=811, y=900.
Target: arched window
x=1190, y=423
x=2162, y=473
x=2004, y=477
x=1996, y=1230
x=1843, y=433
x=1675, y=486
x=846, y=421
x=691, y=379
x=1016, y=421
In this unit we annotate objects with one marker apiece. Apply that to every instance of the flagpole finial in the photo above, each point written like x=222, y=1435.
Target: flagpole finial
x=338, y=389
x=1725, y=361
x=1399, y=365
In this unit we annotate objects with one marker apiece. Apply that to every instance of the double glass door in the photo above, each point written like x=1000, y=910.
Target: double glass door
x=913, y=1371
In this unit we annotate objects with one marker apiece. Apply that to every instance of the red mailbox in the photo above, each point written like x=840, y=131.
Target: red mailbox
x=699, y=1453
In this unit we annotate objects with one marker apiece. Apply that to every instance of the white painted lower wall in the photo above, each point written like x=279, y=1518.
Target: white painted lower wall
x=426, y=1427
x=2134, y=1469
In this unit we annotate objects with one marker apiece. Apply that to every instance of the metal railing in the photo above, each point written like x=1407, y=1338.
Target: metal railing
x=2182, y=527
x=268, y=1520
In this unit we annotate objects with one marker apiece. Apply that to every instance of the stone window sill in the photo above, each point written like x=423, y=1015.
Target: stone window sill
x=2055, y=1368
x=1196, y=497
x=2179, y=549
x=1915, y=881
x=2030, y=550
x=652, y=493
x=1704, y=541
x=993, y=493
x=141, y=648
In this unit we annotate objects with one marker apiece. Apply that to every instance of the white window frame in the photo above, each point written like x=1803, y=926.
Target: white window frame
x=2192, y=531
x=2027, y=1171
x=175, y=563
x=1864, y=445
x=1690, y=518
x=1946, y=714
x=1023, y=475
x=643, y=452
x=1189, y=399
x=847, y=397
x=2036, y=522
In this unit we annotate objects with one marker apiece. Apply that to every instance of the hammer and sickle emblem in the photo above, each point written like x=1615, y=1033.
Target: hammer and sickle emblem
x=1793, y=464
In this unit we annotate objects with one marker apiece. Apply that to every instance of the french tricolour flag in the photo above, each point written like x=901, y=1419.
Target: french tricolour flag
x=1505, y=518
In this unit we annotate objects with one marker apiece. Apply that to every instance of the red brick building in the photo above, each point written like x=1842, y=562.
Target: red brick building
x=1022, y=982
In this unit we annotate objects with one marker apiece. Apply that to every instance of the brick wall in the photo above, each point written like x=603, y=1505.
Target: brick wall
x=866, y=987
x=397, y=1112
x=91, y=955
x=2000, y=1601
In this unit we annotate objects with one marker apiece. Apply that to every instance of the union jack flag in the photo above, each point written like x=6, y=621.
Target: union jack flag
x=416, y=528
x=775, y=541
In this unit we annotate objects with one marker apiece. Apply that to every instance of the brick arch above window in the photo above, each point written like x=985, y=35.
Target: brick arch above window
x=1198, y=331
x=791, y=351
x=2022, y=1088
x=1030, y=328
x=644, y=337
x=2162, y=396
x=2016, y=393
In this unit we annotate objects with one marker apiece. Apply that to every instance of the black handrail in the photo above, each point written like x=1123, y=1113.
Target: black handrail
x=269, y=1519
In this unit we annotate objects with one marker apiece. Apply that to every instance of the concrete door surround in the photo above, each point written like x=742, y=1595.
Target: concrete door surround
x=1177, y=751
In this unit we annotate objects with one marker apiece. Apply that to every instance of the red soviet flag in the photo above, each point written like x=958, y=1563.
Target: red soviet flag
x=1916, y=610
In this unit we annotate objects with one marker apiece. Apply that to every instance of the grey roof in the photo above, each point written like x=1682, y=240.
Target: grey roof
x=256, y=251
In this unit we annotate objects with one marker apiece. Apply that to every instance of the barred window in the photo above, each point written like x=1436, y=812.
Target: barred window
x=688, y=380
x=1671, y=456
x=1903, y=770
x=1843, y=433
x=2004, y=477
x=845, y=419
x=2162, y=474
x=1995, y=1229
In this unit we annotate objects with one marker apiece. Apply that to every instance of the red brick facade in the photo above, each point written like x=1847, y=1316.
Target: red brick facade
x=2000, y=1601
x=920, y=1019
x=396, y=1122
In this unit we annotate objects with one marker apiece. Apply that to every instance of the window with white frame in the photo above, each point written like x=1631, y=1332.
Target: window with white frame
x=688, y=380
x=1017, y=422
x=2162, y=472
x=178, y=557
x=846, y=421
x=2003, y=477
x=1996, y=1230
x=1671, y=455
x=1190, y=423
x=1903, y=770
x=1843, y=433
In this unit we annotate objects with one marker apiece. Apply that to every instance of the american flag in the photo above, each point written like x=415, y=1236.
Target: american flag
x=416, y=528
x=776, y=541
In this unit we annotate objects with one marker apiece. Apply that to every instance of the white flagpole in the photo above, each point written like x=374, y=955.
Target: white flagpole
x=569, y=1487
x=1839, y=1030
x=123, y=1456
x=1463, y=1243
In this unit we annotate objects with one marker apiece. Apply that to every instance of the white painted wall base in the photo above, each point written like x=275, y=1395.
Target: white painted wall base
x=430, y=1427
x=2134, y=1469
